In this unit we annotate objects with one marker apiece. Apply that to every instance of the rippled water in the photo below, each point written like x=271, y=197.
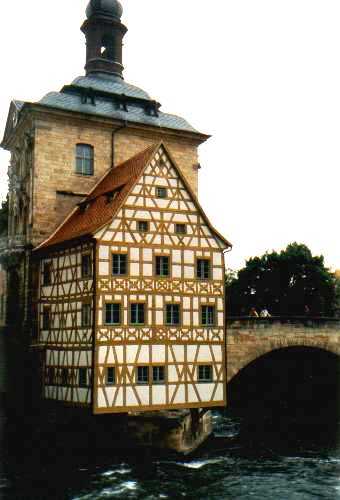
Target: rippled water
x=246, y=459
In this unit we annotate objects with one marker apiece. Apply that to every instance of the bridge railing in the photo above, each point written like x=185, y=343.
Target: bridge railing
x=251, y=322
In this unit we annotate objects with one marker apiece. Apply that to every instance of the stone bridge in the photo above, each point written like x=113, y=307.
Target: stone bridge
x=250, y=338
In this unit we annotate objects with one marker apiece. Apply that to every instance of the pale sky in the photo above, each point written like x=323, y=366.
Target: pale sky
x=261, y=76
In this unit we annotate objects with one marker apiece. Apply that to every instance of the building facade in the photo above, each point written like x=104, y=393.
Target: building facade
x=115, y=275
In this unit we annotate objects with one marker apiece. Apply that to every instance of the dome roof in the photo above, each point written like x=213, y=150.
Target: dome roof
x=111, y=8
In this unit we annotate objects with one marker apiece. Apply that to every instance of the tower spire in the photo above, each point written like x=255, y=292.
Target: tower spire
x=104, y=34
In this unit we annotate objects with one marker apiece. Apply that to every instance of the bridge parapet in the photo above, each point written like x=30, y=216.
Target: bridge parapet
x=282, y=322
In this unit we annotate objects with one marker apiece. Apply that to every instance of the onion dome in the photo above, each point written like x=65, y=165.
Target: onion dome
x=112, y=8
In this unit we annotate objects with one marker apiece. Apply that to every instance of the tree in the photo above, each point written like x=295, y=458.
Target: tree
x=285, y=283
x=4, y=217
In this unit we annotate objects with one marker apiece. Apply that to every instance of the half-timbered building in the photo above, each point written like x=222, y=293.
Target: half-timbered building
x=115, y=275
x=131, y=301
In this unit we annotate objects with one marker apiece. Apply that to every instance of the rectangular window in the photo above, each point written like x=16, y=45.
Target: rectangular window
x=84, y=159
x=203, y=269
x=47, y=274
x=112, y=314
x=119, y=264
x=172, y=314
x=64, y=376
x=50, y=375
x=181, y=229
x=46, y=318
x=82, y=377
x=162, y=266
x=205, y=373
x=110, y=375
x=137, y=314
x=158, y=374
x=142, y=226
x=161, y=192
x=208, y=315
x=86, y=267
x=142, y=375
x=86, y=315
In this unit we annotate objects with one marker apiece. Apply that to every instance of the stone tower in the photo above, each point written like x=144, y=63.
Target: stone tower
x=60, y=147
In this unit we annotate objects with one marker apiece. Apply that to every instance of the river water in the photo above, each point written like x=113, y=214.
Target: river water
x=247, y=458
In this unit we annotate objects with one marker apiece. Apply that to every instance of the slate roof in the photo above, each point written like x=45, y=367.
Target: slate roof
x=96, y=210
x=108, y=92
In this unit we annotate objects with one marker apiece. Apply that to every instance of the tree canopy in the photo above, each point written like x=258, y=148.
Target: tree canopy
x=288, y=283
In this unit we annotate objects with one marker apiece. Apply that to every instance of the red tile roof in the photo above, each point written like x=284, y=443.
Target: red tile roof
x=97, y=209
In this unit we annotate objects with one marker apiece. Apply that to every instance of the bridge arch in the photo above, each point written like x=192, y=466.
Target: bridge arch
x=249, y=339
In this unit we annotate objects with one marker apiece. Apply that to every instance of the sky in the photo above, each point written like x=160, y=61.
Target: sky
x=261, y=76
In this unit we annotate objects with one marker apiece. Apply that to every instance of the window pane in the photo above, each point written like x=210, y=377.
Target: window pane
x=143, y=226
x=84, y=159
x=208, y=315
x=203, y=268
x=205, y=373
x=158, y=374
x=111, y=375
x=181, y=228
x=112, y=314
x=161, y=192
x=172, y=314
x=143, y=374
x=162, y=266
x=119, y=264
x=82, y=377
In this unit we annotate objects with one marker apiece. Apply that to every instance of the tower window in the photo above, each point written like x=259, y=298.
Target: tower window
x=84, y=159
x=162, y=266
x=203, y=269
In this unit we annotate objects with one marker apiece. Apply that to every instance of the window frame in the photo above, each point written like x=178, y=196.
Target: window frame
x=89, y=273
x=204, y=379
x=159, y=381
x=208, y=325
x=143, y=382
x=181, y=224
x=46, y=310
x=86, y=306
x=107, y=381
x=172, y=304
x=143, y=231
x=82, y=372
x=142, y=303
x=203, y=259
x=160, y=275
x=47, y=274
x=160, y=189
x=120, y=254
x=83, y=158
x=105, y=312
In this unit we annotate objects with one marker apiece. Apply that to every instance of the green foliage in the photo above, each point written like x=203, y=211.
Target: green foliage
x=286, y=283
x=4, y=218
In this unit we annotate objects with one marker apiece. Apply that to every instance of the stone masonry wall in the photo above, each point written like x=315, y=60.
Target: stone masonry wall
x=54, y=163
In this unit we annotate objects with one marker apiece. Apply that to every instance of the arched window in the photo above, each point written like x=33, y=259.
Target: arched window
x=84, y=159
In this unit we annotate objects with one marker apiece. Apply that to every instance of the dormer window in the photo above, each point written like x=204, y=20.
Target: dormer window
x=84, y=159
